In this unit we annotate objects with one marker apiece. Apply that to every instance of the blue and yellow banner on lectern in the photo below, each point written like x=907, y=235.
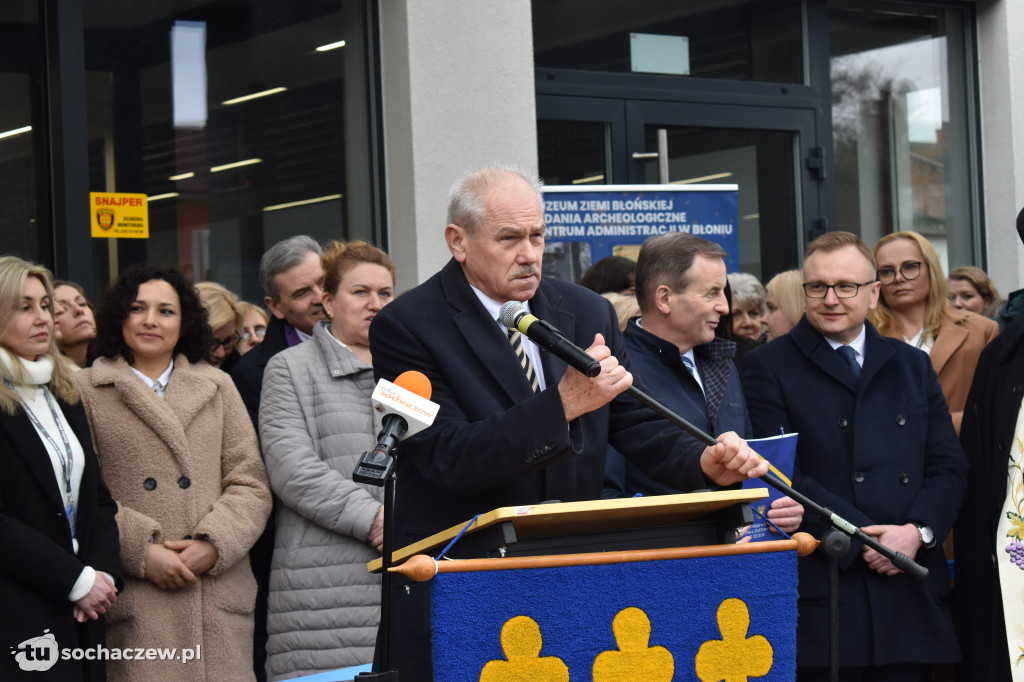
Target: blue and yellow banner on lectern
x=728, y=618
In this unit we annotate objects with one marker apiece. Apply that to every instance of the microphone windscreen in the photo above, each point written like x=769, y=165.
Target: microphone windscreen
x=414, y=381
x=510, y=311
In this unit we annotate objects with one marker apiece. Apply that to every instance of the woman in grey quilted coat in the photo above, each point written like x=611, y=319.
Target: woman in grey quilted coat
x=315, y=422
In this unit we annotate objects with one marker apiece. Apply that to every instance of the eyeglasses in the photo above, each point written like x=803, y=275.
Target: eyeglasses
x=841, y=290
x=911, y=270
x=258, y=332
x=227, y=344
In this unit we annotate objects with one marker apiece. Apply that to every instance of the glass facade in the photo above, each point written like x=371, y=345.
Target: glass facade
x=759, y=162
x=574, y=152
x=900, y=123
x=827, y=114
x=746, y=41
x=242, y=122
x=24, y=213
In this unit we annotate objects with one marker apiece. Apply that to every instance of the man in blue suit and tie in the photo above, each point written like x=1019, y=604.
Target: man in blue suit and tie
x=877, y=446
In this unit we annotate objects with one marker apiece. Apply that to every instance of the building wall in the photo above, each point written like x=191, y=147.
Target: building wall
x=458, y=95
x=1001, y=82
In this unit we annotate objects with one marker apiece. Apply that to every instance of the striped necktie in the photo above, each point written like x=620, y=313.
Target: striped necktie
x=516, y=339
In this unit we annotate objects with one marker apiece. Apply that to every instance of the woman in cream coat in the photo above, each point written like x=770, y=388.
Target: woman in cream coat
x=181, y=460
x=315, y=422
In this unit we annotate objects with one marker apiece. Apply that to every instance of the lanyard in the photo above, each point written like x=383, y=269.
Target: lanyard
x=65, y=456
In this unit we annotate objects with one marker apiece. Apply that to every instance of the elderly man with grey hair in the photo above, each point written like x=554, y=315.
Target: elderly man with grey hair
x=293, y=281
x=515, y=427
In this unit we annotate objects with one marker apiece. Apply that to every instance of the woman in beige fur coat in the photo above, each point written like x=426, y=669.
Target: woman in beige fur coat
x=180, y=457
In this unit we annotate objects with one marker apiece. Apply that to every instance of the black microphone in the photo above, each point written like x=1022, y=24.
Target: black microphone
x=514, y=316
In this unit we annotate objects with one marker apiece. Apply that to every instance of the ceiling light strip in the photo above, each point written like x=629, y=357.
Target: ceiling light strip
x=292, y=204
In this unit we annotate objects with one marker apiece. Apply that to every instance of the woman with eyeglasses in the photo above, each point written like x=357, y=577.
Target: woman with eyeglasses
x=914, y=306
x=180, y=456
x=254, y=326
x=225, y=321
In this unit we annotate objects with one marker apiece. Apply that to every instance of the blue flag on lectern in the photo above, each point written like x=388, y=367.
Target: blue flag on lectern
x=711, y=618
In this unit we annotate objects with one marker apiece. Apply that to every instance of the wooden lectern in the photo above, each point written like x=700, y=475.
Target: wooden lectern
x=651, y=588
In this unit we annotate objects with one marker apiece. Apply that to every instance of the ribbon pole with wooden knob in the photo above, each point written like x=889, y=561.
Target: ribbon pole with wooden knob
x=421, y=567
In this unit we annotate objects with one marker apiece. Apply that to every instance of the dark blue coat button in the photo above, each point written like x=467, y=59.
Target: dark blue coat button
x=842, y=422
x=183, y=482
x=900, y=420
x=858, y=476
x=149, y=484
x=904, y=479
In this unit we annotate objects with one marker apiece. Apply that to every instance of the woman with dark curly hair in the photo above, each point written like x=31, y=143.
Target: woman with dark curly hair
x=181, y=460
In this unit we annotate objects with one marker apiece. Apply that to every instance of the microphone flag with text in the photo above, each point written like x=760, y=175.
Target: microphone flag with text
x=515, y=316
x=400, y=409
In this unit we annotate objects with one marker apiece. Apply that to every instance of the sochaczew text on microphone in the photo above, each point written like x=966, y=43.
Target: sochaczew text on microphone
x=400, y=409
x=514, y=316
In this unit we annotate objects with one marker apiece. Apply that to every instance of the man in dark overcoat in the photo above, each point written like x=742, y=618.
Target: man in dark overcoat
x=877, y=446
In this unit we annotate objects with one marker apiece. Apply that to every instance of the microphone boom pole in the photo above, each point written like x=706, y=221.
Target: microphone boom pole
x=899, y=560
x=515, y=316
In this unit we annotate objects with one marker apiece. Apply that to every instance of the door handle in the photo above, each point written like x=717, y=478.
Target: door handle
x=661, y=155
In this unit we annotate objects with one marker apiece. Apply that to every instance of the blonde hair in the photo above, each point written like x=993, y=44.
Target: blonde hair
x=244, y=307
x=979, y=279
x=221, y=305
x=625, y=307
x=787, y=288
x=13, y=274
x=937, y=304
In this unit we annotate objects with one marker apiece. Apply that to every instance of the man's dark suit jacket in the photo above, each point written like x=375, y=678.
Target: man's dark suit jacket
x=495, y=443
x=248, y=377
x=878, y=450
x=990, y=419
x=248, y=371
x=39, y=566
x=658, y=363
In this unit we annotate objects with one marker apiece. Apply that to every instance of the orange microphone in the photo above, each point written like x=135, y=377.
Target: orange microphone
x=401, y=409
x=414, y=381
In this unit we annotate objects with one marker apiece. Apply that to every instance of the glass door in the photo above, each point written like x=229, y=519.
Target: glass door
x=770, y=153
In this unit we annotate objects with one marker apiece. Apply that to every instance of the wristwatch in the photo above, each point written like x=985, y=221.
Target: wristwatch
x=927, y=535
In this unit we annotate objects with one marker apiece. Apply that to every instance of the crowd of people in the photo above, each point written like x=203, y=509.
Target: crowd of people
x=178, y=463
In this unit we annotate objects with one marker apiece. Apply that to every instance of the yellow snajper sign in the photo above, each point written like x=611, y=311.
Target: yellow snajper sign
x=119, y=215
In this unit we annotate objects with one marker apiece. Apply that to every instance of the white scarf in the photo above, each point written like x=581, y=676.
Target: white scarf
x=35, y=372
